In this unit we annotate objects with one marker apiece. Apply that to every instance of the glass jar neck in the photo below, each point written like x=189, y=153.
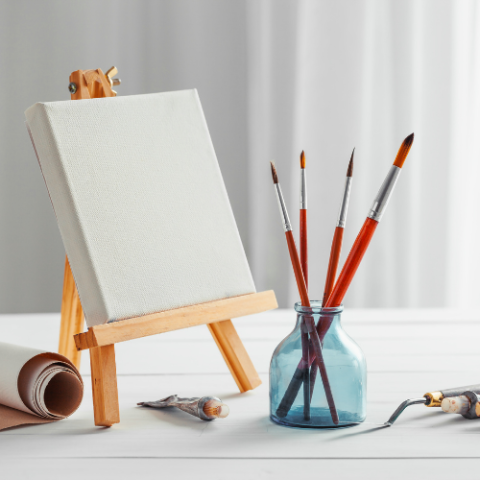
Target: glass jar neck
x=328, y=316
x=315, y=308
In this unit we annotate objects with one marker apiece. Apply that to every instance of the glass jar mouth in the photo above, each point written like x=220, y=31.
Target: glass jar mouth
x=316, y=308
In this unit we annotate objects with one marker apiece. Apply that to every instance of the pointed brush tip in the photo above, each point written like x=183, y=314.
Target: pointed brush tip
x=350, y=165
x=302, y=160
x=403, y=151
x=274, y=172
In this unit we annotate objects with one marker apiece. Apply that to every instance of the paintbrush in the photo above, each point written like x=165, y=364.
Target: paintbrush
x=338, y=235
x=304, y=264
x=431, y=399
x=286, y=404
x=335, y=251
x=358, y=250
x=303, y=218
x=366, y=233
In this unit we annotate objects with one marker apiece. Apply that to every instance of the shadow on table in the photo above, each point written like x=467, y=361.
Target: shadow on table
x=174, y=417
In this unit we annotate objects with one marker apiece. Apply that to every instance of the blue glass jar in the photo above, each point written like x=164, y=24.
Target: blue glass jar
x=293, y=381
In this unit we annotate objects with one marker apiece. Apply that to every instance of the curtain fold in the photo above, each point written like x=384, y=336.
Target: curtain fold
x=366, y=74
x=275, y=77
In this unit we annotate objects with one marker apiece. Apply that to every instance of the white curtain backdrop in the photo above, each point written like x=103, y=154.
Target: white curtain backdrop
x=275, y=77
x=327, y=76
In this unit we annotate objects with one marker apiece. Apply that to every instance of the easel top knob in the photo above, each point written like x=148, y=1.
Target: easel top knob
x=110, y=73
x=93, y=83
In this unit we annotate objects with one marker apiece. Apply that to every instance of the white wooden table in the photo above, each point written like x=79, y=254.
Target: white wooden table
x=409, y=352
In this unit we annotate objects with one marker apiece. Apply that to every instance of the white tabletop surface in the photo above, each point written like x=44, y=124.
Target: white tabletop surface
x=409, y=352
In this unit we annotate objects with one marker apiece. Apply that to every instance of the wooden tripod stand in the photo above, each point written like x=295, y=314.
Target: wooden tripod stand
x=101, y=339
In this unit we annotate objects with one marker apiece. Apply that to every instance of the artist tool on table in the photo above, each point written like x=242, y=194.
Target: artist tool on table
x=352, y=263
x=431, y=399
x=204, y=408
x=304, y=264
x=335, y=250
x=310, y=325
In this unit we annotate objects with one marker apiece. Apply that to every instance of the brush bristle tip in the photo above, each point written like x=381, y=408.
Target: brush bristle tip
x=350, y=165
x=302, y=160
x=274, y=172
x=403, y=151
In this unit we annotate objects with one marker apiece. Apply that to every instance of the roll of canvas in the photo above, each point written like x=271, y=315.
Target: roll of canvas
x=36, y=386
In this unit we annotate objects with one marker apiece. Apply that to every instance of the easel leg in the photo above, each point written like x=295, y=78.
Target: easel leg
x=235, y=355
x=71, y=321
x=104, y=386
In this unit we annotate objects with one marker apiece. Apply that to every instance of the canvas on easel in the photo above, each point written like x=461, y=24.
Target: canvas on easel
x=147, y=226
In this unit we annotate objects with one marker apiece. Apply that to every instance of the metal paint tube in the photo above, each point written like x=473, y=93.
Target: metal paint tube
x=205, y=408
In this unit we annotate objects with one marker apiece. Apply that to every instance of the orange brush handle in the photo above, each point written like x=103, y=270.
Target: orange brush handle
x=304, y=244
x=316, y=344
x=352, y=263
x=297, y=269
x=333, y=262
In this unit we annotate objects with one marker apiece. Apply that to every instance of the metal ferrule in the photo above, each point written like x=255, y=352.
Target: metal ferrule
x=283, y=209
x=383, y=196
x=434, y=399
x=303, y=189
x=342, y=215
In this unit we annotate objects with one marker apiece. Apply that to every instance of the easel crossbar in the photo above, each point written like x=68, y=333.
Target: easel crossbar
x=201, y=314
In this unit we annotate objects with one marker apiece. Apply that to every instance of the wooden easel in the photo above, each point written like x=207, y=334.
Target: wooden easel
x=101, y=339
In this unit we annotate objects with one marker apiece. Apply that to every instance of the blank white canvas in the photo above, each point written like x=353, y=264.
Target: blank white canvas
x=140, y=203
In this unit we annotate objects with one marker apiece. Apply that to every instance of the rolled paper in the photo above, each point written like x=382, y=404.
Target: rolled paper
x=205, y=408
x=36, y=386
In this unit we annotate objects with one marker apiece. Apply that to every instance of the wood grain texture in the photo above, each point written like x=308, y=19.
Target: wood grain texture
x=304, y=244
x=176, y=319
x=71, y=318
x=104, y=386
x=235, y=355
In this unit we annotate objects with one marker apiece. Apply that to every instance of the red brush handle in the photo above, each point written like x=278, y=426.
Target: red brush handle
x=352, y=263
x=316, y=343
x=297, y=269
x=304, y=244
x=333, y=263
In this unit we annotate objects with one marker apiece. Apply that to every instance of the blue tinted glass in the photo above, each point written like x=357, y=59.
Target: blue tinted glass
x=291, y=380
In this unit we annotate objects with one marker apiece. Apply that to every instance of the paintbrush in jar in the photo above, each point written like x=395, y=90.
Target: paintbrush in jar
x=335, y=250
x=303, y=218
x=287, y=400
x=358, y=250
x=304, y=264
x=338, y=235
x=363, y=239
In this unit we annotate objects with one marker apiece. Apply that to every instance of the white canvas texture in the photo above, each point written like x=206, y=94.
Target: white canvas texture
x=140, y=203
